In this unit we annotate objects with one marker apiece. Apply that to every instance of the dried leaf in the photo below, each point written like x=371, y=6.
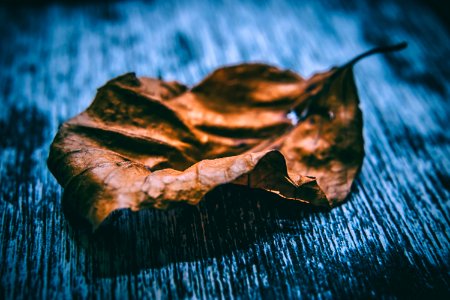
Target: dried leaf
x=144, y=142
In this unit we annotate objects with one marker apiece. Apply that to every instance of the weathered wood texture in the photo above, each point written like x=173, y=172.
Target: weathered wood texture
x=390, y=239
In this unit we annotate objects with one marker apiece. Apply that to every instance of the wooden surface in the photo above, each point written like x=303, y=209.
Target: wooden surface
x=391, y=239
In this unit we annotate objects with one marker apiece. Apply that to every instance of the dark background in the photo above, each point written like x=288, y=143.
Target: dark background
x=390, y=239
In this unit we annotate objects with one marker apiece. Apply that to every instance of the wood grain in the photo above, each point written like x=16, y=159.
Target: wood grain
x=391, y=239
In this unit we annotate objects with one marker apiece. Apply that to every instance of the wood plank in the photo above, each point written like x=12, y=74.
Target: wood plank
x=390, y=239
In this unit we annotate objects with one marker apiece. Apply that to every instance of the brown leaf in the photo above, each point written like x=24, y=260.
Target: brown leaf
x=144, y=142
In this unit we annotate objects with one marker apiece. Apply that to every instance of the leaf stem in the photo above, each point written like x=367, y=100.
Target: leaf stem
x=382, y=49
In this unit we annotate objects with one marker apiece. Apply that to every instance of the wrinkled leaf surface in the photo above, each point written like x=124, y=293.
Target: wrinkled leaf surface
x=144, y=142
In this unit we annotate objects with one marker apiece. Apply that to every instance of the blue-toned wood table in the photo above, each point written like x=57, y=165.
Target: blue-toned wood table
x=390, y=239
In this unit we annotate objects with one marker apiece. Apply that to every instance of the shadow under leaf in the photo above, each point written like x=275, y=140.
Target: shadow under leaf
x=230, y=218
